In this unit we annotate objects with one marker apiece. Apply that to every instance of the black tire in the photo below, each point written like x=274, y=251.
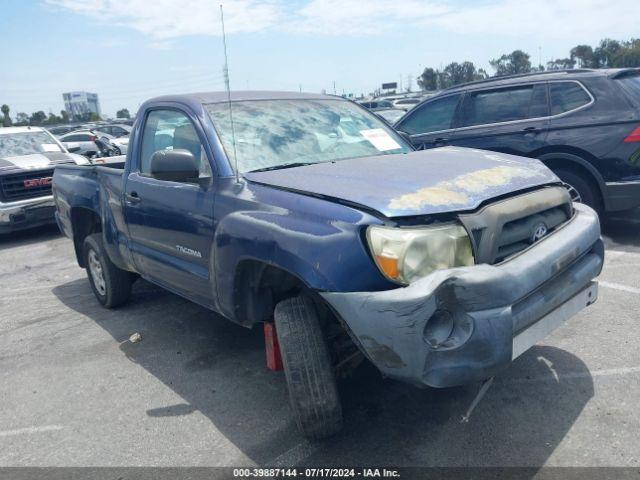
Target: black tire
x=584, y=187
x=311, y=381
x=115, y=287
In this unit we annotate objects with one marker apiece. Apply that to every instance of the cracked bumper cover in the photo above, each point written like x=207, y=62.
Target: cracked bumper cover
x=496, y=309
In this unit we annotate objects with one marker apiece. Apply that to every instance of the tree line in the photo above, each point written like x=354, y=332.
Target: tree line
x=40, y=118
x=608, y=54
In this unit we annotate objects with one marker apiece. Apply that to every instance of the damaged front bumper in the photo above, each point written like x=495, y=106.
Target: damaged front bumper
x=465, y=324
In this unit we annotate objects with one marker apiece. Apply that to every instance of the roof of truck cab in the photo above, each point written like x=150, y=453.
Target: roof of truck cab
x=238, y=96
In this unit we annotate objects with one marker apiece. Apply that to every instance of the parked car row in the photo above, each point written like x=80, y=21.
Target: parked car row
x=398, y=102
x=117, y=129
x=583, y=124
x=98, y=140
x=95, y=144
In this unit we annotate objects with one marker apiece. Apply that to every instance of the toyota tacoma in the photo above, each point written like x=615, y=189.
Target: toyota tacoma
x=309, y=214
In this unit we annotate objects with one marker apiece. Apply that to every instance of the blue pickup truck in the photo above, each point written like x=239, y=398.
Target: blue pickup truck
x=309, y=214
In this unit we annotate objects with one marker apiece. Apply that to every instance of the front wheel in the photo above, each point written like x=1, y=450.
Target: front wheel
x=313, y=392
x=110, y=285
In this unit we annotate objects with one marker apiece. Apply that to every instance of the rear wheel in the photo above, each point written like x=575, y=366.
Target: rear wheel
x=110, y=285
x=311, y=381
x=581, y=189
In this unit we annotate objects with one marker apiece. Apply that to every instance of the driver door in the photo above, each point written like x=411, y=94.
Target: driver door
x=171, y=223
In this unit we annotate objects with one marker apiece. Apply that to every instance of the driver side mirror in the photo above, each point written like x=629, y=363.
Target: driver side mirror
x=177, y=165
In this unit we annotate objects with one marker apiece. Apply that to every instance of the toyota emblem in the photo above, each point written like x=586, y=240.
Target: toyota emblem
x=539, y=231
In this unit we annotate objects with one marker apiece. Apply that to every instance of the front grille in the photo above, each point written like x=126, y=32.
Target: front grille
x=505, y=228
x=21, y=186
x=519, y=234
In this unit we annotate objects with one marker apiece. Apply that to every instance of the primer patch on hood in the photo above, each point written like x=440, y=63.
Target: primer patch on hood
x=458, y=190
x=417, y=183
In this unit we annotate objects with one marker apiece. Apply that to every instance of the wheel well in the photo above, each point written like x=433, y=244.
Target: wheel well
x=258, y=287
x=566, y=162
x=84, y=222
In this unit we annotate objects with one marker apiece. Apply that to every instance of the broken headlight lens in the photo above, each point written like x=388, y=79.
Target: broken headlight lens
x=408, y=254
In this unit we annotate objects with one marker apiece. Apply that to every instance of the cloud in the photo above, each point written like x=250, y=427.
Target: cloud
x=361, y=17
x=545, y=18
x=164, y=20
x=541, y=18
x=167, y=19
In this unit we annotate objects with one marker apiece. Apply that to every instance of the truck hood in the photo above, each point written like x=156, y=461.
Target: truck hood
x=39, y=161
x=440, y=180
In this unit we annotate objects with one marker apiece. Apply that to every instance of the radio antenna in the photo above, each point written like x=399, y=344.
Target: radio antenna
x=226, y=81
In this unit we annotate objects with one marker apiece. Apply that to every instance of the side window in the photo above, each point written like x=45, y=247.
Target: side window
x=81, y=137
x=566, y=96
x=503, y=105
x=432, y=116
x=168, y=130
x=539, y=103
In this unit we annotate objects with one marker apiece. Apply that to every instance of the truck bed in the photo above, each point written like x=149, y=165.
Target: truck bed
x=86, y=187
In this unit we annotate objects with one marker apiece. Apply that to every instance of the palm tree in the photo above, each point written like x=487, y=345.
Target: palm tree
x=6, y=121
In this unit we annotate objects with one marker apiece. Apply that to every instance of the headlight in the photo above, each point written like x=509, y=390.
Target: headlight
x=407, y=254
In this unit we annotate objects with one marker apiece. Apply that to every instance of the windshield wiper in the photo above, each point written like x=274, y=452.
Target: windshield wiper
x=283, y=166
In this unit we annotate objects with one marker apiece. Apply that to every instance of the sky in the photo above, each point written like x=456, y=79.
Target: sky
x=131, y=50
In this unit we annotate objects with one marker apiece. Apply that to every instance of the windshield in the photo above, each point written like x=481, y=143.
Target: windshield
x=26, y=143
x=276, y=133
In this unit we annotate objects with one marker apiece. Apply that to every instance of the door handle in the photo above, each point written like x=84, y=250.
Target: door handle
x=132, y=197
x=441, y=141
x=531, y=130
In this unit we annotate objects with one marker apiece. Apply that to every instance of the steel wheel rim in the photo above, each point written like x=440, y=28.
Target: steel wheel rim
x=573, y=193
x=95, y=268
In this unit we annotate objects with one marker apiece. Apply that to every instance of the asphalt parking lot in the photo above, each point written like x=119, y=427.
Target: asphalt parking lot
x=195, y=390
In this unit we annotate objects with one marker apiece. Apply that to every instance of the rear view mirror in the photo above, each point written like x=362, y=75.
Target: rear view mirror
x=177, y=165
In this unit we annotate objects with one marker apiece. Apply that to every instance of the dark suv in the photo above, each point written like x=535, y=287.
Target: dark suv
x=583, y=124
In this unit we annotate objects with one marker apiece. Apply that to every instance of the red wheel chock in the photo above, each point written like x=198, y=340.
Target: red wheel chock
x=274, y=359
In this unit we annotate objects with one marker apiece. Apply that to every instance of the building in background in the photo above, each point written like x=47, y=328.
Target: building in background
x=82, y=106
